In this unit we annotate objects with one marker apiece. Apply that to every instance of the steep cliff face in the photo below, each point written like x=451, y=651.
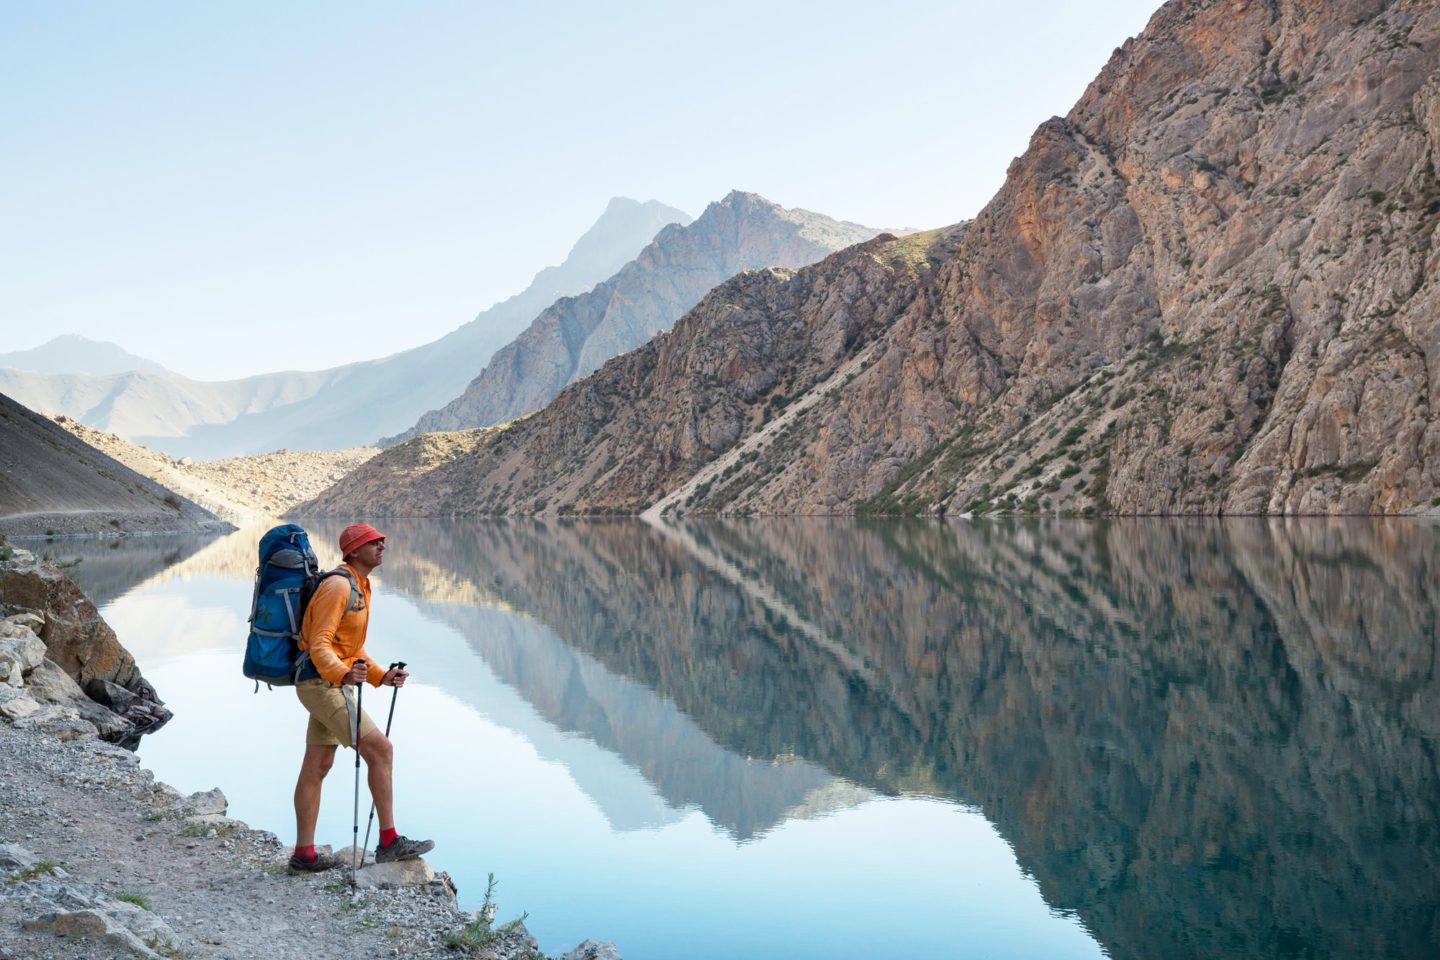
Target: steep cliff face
x=1210, y=288
x=577, y=334
x=648, y=420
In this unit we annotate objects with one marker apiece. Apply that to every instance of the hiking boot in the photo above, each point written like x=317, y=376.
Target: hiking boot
x=403, y=849
x=322, y=861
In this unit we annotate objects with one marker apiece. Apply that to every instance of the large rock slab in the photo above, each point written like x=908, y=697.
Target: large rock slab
x=75, y=635
x=400, y=873
x=89, y=924
x=207, y=803
x=15, y=858
x=20, y=652
x=56, y=903
x=48, y=683
x=47, y=620
x=18, y=706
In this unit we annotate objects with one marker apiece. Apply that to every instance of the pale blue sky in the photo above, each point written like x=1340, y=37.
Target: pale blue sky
x=231, y=188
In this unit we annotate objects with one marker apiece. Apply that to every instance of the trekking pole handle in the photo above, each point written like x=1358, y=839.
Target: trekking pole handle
x=358, y=663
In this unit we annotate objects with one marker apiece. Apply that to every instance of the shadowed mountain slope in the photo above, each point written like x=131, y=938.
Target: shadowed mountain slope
x=52, y=481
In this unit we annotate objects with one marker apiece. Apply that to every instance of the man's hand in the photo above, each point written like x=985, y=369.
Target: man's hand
x=395, y=677
x=358, y=673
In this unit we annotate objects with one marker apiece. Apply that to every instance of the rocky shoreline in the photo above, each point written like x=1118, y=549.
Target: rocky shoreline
x=100, y=860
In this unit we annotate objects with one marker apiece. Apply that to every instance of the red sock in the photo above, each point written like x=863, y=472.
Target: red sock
x=388, y=835
x=306, y=853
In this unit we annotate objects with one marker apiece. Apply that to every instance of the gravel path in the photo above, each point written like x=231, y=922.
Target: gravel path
x=216, y=890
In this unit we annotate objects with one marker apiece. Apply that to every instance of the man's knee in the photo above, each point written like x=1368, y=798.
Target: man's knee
x=318, y=761
x=375, y=747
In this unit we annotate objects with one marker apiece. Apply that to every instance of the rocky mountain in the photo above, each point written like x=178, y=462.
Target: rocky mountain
x=52, y=481
x=576, y=335
x=647, y=421
x=1209, y=288
x=74, y=354
x=346, y=406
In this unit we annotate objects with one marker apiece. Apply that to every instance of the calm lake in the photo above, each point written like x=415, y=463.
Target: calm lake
x=836, y=739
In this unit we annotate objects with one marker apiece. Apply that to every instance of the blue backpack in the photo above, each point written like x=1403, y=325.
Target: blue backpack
x=285, y=581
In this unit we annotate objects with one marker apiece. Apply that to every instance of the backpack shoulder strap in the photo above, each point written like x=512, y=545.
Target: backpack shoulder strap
x=357, y=599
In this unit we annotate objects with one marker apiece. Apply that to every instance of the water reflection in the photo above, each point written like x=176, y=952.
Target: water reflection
x=1204, y=738
x=109, y=568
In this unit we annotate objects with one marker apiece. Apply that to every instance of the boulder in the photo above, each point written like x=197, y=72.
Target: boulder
x=20, y=652
x=60, y=722
x=346, y=856
x=18, y=706
x=90, y=924
x=27, y=619
x=15, y=858
x=48, y=683
x=593, y=950
x=207, y=803
x=400, y=873
x=109, y=694
x=75, y=635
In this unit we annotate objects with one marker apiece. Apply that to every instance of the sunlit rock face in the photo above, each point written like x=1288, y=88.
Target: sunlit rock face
x=1208, y=288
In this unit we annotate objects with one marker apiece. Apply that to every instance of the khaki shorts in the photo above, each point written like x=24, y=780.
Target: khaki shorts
x=332, y=716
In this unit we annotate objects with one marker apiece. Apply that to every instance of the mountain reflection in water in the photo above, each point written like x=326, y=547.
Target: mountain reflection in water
x=1204, y=738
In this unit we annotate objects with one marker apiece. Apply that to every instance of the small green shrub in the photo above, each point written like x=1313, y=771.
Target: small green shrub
x=38, y=870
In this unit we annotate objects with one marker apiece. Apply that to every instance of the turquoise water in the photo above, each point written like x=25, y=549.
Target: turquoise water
x=791, y=738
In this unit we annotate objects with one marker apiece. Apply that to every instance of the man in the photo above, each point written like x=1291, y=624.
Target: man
x=333, y=633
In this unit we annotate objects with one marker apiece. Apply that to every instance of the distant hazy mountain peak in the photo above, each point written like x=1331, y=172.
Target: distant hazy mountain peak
x=71, y=353
x=312, y=410
x=815, y=227
x=576, y=334
x=595, y=253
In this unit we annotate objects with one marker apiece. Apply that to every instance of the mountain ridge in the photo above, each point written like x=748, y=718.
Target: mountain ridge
x=1208, y=289
x=575, y=335
x=307, y=410
x=72, y=353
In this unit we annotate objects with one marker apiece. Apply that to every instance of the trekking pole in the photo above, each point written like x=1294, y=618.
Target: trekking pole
x=355, y=820
x=394, y=692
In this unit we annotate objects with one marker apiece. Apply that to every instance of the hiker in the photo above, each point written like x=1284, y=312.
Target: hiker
x=333, y=633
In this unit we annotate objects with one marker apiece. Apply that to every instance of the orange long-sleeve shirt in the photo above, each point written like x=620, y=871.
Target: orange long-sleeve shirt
x=335, y=638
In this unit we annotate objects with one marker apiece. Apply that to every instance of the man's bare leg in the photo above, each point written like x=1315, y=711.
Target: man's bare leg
x=378, y=755
x=313, y=768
